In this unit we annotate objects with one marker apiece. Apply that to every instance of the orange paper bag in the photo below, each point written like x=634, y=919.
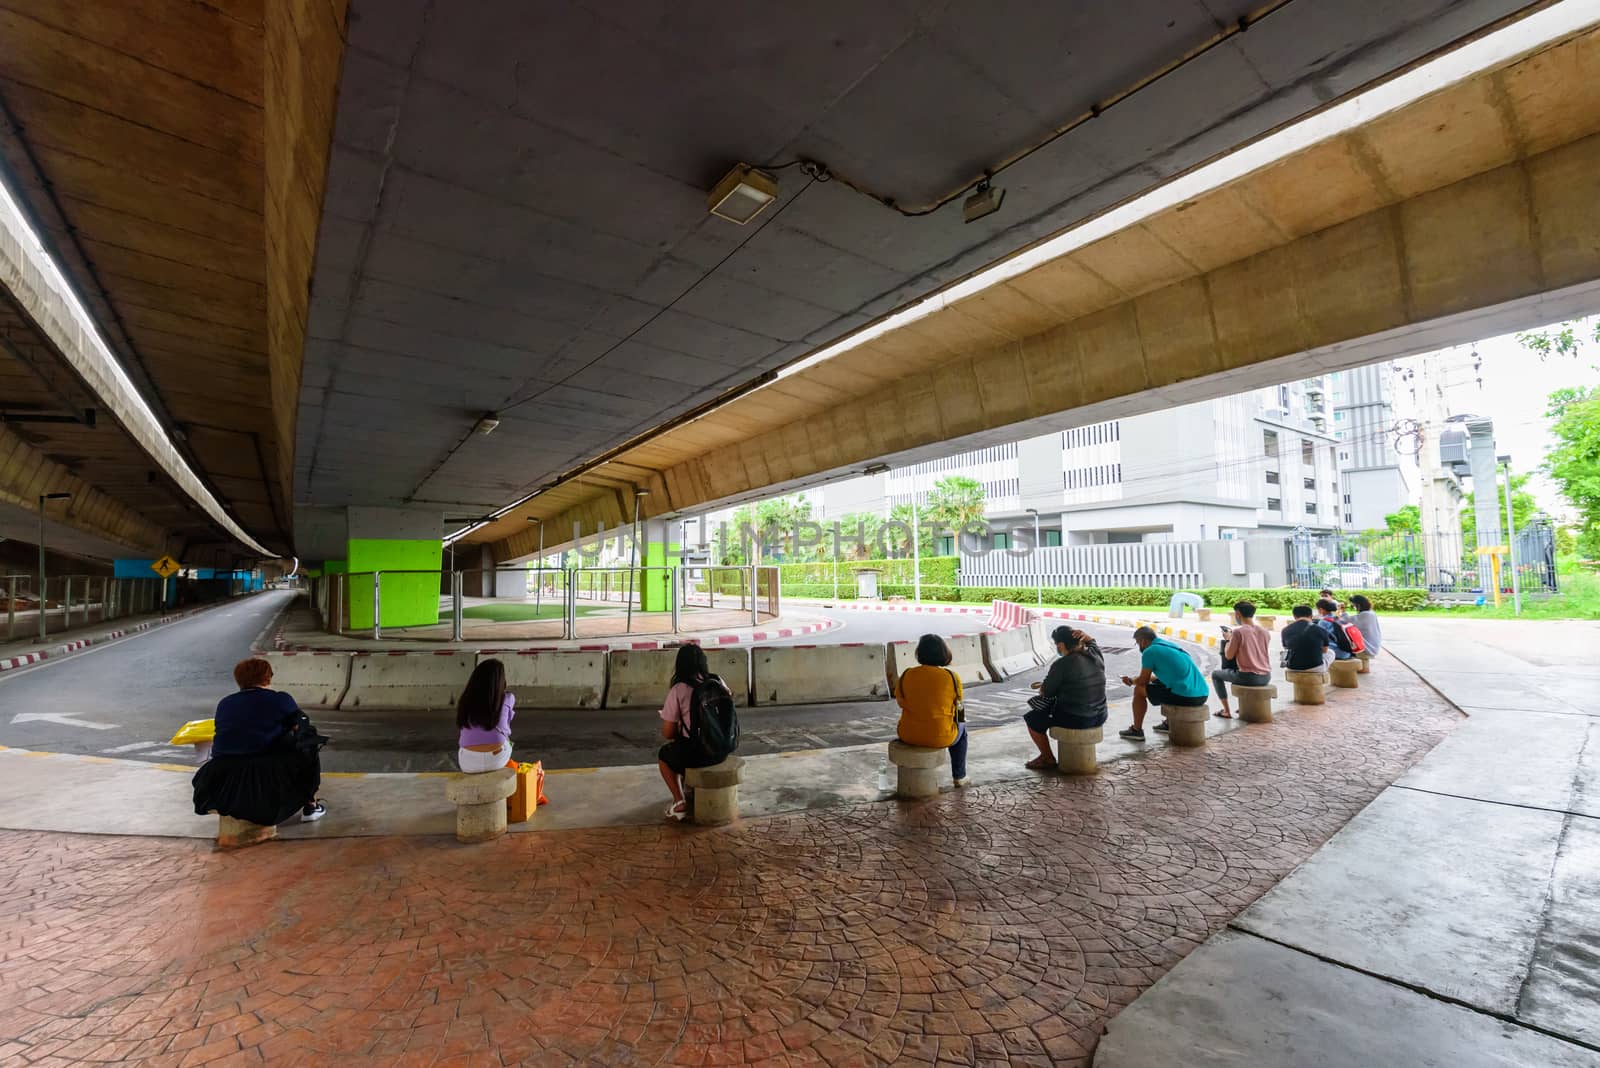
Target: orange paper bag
x=530, y=785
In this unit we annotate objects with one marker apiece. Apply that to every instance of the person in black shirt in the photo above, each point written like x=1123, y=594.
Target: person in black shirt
x=265, y=764
x=1303, y=641
x=1072, y=695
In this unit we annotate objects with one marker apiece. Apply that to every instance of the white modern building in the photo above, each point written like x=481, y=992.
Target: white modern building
x=1374, y=424
x=1262, y=462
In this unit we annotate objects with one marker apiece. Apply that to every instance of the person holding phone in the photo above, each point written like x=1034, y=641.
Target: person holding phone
x=1246, y=656
x=930, y=699
x=1072, y=695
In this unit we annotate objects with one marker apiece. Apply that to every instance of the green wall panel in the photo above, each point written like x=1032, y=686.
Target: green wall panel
x=407, y=600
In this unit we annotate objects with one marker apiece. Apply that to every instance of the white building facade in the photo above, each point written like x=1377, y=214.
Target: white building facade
x=1373, y=409
x=1262, y=462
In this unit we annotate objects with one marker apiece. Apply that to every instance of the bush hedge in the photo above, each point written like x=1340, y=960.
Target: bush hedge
x=1281, y=599
x=940, y=570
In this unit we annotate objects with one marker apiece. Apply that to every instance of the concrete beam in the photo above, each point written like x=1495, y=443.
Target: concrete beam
x=1476, y=196
x=25, y=473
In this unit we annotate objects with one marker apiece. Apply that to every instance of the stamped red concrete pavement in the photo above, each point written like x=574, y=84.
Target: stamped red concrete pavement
x=997, y=925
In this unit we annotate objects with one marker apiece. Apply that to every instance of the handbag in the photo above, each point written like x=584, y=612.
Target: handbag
x=960, y=705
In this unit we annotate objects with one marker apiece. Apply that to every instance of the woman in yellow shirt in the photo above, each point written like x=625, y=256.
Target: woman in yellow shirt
x=929, y=695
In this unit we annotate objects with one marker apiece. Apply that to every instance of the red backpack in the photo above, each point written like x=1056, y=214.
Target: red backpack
x=1358, y=644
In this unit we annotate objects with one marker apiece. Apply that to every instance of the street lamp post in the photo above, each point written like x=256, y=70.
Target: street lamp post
x=44, y=497
x=538, y=590
x=1511, y=542
x=1038, y=563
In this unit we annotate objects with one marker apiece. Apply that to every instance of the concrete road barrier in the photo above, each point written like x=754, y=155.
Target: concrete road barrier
x=814, y=674
x=564, y=679
x=407, y=680
x=966, y=652
x=314, y=680
x=638, y=678
x=1044, y=647
x=1008, y=652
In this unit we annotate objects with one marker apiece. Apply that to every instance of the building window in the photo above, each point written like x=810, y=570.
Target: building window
x=1269, y=443
x=1272, y=478
x=1344, y=454
x=947, y=546
x=1002, y=541
x=1308, y=452
x=1349, y=519
x=1283, y=397
x=1347, y=498
x=1052, y=539
x=1338, y=417
x=1311, y=508
x=1311, y=483
x=1274, y=504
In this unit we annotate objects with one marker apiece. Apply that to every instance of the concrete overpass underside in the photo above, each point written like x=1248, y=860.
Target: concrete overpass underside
x=1468, y=212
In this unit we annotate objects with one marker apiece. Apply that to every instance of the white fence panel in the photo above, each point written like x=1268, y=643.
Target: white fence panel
x=1163, y=564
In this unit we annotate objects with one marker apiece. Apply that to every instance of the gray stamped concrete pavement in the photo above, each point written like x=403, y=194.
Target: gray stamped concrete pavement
x=1455, y=921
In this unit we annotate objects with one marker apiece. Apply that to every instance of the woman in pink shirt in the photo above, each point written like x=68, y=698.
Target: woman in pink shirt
x=681, y=751
x=1246, y=657
x=483, y=716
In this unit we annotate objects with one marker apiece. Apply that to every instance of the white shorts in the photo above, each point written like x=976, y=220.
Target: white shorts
x=473, y=762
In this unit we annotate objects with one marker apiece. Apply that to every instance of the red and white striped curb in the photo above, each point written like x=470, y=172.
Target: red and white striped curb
x=68, y=648
x=590, y=647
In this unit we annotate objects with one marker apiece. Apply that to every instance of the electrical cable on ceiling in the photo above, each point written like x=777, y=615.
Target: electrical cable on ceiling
x=821, y=172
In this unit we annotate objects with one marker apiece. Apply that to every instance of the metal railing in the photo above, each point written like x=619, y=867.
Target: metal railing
x=1440, y=563
x=549, y=603
x=71, y=601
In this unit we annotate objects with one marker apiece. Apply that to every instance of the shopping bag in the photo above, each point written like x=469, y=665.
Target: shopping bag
x=529, y=794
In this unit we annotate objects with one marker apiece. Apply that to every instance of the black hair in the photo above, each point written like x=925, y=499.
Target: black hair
x=1072, y=639
x=1302, y=611
x=1245, y=609
x=1361, y=603
x=1146, y=633
x=932, y=651
x=1326, y=593
x=482, y=697
x=691, y=666
x=1327, y=607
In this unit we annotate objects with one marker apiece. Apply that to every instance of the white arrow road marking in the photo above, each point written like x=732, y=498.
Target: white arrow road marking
x=63, y=720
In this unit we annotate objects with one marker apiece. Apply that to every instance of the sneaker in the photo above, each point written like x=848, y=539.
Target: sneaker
x=313, y=812
x=962, y=781
x=1161, y=728
x=1133, y=734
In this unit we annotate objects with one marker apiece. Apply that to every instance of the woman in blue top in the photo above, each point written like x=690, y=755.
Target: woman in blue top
x=1167, y=676
x=483, y=716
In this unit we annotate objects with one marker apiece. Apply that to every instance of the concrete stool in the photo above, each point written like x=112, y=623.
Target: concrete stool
x=1187, y=726
x=1255, y=702
x=1307, y=686
x=232, y=833
x=1366, y=663
x=1344, y=672
x=716, y=791
x=1204, y=614
x=480, y=802
x=916, y=769
x=1075, y=748
x=1270, y=622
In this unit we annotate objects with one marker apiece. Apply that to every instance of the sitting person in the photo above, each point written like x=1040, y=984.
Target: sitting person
x=1327, y=595
x=264, y=764
x=1245, y=657
x=1329, y=621
x=1366, y=621
x=1072, y=694
x=930, y=697
x=483, y=718
x=1168, y=677
x=1304, y=642
x=681, y=752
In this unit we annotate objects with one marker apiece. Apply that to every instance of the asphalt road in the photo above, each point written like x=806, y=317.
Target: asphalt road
x=125, y=700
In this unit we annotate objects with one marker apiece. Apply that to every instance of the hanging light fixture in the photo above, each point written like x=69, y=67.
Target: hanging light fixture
x=743, y=193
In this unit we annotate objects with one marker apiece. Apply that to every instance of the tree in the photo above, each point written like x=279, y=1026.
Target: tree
x=956, y=501
x=1574, y=464
x=776, y=521
x=1523, y=508
x=1564, y=339
x=1407, y=519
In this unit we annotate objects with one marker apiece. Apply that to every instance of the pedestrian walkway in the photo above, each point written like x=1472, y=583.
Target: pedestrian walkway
x=1453, y=922
x=1002, y=923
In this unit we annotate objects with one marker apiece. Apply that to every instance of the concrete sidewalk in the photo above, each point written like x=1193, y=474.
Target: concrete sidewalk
x=1453, y=922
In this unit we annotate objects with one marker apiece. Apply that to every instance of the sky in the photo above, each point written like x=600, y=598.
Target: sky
x=1515, y=386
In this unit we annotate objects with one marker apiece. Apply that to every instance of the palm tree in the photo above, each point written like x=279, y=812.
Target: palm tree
x=956, y=502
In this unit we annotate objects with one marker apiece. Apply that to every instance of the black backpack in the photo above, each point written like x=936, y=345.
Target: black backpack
x=713, y=724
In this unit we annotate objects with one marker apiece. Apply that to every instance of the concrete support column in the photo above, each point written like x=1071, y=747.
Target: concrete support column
x=1485, y=494
x=405, y=545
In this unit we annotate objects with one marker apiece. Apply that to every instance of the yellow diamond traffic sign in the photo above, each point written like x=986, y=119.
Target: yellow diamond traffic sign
x=166, y=567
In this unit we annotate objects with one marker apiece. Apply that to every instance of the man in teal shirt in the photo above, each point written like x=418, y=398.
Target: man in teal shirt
x=1167, y=677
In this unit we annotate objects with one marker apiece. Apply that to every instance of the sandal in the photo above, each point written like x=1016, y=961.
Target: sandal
x=1040, y=763
x=678, y=810
x=1223, y=715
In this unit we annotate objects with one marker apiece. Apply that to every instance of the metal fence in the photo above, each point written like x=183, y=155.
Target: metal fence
x=543, y=603
x=71, y=601
x=1440, y=563
x=1165, y=564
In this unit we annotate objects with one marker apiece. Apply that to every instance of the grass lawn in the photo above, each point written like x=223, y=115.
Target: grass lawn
x=1579, y=599
x=516, y=612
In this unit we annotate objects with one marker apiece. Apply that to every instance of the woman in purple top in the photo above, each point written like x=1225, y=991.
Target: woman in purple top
x=484, y=716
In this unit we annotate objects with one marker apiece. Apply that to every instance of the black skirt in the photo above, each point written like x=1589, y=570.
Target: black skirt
x=266, y=788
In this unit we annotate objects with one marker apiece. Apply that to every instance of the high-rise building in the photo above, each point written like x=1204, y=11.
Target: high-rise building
x=1377, y=474
x=1258, y=462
